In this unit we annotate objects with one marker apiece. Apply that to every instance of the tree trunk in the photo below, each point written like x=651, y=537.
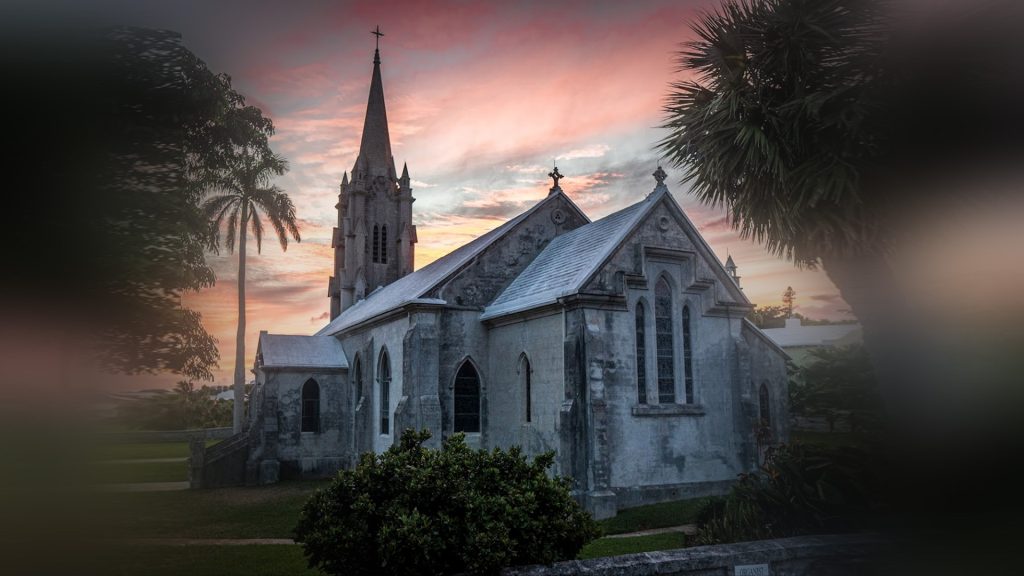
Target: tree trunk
x=866, y=283
x=239, y=384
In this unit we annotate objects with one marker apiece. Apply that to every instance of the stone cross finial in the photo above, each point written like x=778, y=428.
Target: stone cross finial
x=660, y=176
x=556, y=176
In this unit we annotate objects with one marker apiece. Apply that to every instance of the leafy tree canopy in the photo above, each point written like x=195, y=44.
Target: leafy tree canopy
x=121, y=132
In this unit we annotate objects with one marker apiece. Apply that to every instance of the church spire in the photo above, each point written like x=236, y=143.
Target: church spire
x=375, y=148
x=375, y=241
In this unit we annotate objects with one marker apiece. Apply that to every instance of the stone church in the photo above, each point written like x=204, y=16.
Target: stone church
x=619, y=343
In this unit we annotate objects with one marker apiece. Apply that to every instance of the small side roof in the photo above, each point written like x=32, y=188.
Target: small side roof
x=288, y=351
x=410, y=289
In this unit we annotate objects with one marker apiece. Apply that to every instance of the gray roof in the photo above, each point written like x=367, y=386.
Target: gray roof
x=410, y=289
x=568, y=261
x=287, y=351
x=795, y=334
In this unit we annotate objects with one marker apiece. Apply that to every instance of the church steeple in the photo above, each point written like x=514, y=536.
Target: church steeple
x=375, y=148
x=375, y=239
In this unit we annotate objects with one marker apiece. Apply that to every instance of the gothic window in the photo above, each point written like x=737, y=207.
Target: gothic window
x=376, y=243
x=765, y=405
x=384, y=384
x=311, y=406
x=357, y=377
x=641, y=355
x=664, y=341
x=384, y=244
x=467, y=399
x=687, y=355
x=526, y=376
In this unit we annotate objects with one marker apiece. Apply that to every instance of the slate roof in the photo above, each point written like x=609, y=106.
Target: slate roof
x=410, y=289
x=568, y=261
x=287, y=351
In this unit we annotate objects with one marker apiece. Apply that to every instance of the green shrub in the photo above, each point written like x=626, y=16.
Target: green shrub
x=412, y=510
x=799, y=490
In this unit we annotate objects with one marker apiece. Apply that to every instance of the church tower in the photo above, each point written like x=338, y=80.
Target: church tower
x=375, y=239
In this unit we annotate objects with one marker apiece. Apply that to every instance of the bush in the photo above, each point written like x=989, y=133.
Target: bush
x=799, y=490
x=412, y=510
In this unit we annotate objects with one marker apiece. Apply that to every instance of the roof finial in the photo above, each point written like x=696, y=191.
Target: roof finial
x=660, y=175
x=376, y=53
x=556, y=176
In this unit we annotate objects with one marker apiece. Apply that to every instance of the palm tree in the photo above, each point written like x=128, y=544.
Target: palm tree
x=244, y=197
x=782, y=125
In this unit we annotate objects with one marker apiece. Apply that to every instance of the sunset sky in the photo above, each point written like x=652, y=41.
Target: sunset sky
x=481, y=98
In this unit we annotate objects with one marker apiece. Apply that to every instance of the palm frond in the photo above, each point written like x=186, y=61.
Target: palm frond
x=257, y=226
x=232, y=229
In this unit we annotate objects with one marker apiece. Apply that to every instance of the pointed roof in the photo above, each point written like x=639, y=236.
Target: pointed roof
x=375, y=147
x=288, y=351
x=568, y=261
x=729, y=264
x=572, y=259
x=411, y=288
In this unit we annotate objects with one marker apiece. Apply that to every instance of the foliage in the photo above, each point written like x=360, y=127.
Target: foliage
x=788, y=300
x=412, y=510
x=185, y=408
x=779, y=122
x=838, y=381
x=122, y=131
x=775, y=317
x=799, y=490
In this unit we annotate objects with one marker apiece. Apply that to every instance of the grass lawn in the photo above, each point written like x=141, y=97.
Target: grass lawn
x=653, y=516
x=104, y=473
x=618, y=546
x=207, y=561
x=244, y=512
x=143, y=450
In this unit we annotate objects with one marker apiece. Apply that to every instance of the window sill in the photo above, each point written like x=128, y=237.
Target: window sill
x=668, y=410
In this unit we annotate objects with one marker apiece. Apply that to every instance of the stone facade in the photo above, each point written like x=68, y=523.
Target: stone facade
x=533, y=335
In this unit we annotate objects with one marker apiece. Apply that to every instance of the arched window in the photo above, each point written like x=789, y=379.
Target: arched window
x=376, y=243
x=357, y=378
x=384, y=384
x=311, y=406
x=765, y=405
x=467, y=399
x=687, y=355
x=641, y=354
x=384, y=244
x=526, y=374
x=664, y=341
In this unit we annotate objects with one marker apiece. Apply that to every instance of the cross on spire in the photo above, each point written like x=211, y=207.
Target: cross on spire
x=556, y=176
x=378, y=34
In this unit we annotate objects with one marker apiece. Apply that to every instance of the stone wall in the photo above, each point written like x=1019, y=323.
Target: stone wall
x=367, y=345
x=845, y=555
x=538, y=340
x=281, y=439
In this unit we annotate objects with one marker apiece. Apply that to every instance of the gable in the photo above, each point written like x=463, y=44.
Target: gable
x=592, y=258
x=666, y=234
x=502, y=261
